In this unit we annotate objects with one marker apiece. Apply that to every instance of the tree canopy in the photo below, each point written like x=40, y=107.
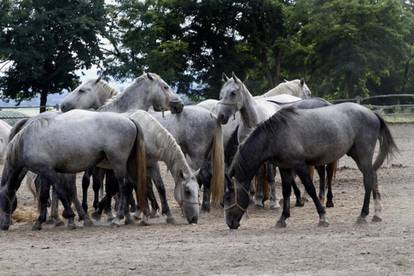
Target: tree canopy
x=45, y=42
x=341, y=48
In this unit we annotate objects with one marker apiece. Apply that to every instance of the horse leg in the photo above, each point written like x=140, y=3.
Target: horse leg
x=159, y=184
x=286, y=175
x=85, y=185
x=302, y=172
x=300, y=202
x=11, y=179
x=98, y=175
x=54, y=209
x=73, y=196
x=44, y=192
x=330, y=168
x=204, y=179
x=377, y=200
x=63, y=196
x=271, y=173
x=259, y=198
x=322, y=178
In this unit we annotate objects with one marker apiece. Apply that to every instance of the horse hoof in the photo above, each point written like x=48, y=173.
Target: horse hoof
x=205, y=209
x=115, y=222
x=154, y=214
x=170, y=220
x=59, y=223
x=71, y=226
x=96, y=216
x=87, y=223
x=36, y=226
x=361, y=221
x=129, y=220
x=50, y=221
x=300, y=203
x=281, y=224
x=376, y=218
x=144, y=222
x=274, y=205
x=323, y=223
x=329, y=204
x=259, y=204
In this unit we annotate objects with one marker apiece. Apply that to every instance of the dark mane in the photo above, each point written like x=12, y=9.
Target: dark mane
x=278, y=120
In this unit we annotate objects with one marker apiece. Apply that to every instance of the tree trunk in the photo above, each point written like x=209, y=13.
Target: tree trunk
x=348, y=85
x=43, y=101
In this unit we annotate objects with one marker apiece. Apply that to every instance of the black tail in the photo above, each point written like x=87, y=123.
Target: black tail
x=387, y=144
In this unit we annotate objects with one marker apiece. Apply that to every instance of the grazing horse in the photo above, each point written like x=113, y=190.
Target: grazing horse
x=161, y=146
x=53, y=143
x=235, y=97
x=195, y=129
x=295, y=138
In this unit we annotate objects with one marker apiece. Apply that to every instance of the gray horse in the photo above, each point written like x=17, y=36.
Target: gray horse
x=82, y=139
x=295, y=138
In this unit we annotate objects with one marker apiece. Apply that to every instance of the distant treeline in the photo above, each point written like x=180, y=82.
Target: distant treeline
x=341, y=48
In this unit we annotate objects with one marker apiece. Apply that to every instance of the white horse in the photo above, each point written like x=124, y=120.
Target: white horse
x=160, y=145
x=297, y=88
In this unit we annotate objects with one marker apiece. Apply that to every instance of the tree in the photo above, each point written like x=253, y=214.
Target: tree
x=193, y=42
x=45, y=42
x=352, y=42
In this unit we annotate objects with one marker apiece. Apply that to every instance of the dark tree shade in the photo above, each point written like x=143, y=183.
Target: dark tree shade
x=45, y=42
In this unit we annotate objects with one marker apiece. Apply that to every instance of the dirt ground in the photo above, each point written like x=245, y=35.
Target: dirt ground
x=257, y=247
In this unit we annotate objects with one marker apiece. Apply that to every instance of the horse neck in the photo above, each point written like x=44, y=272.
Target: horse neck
x=248, y=111
x=251, y=155
x=128, y=100
x=174, y=158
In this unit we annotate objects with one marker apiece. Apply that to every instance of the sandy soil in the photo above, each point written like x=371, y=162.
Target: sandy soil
x=256, y=248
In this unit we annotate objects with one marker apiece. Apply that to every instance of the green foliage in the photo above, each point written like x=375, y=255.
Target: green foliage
x=45, y=41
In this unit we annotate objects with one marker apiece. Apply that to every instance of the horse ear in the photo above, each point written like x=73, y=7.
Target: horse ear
x=302, y=82
x=224, y=77
x=235, y=78
x=149, y=76
x=98, y=79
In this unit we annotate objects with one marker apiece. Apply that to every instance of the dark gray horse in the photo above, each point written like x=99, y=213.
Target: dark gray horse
x=295, y=138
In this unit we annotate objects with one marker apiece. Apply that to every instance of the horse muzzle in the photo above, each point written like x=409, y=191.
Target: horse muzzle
x=176, y=106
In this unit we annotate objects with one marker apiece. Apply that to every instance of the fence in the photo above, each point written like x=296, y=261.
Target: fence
x=394, y=107
x=12, y=114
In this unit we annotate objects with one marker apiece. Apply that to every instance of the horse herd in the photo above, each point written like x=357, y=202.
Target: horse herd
x=219, y=145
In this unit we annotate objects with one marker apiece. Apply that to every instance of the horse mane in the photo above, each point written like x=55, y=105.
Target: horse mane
x=278, y=120
x=116, y=98
x=168, y=149
x=109, y=90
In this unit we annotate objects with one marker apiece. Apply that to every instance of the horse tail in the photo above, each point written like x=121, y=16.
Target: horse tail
x=387, y=145
x=17, y=127
x=141, y=167
x=217, y=159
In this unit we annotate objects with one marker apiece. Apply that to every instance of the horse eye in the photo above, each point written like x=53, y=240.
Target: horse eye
x=233, y=93
x=166, y=87
x=81, y=91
